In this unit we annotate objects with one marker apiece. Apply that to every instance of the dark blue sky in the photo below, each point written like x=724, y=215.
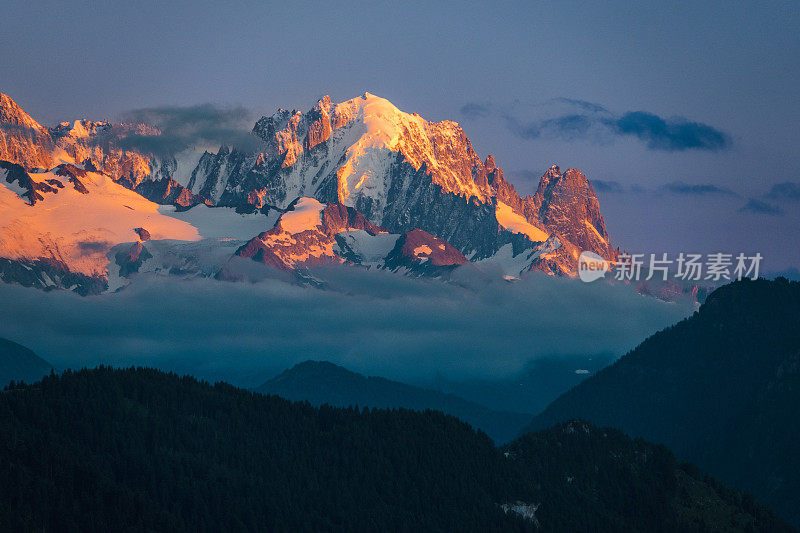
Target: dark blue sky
x=694, y=109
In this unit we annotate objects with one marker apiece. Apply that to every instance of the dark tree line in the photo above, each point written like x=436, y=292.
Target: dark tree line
x=138, y=449
x=721, y=389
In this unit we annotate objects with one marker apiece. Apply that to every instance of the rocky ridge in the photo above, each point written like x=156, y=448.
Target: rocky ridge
x=390, y=170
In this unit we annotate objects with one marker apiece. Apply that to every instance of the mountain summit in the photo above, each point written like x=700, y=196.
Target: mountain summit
x=401, y=172
x=22, y=139
x=395, y=170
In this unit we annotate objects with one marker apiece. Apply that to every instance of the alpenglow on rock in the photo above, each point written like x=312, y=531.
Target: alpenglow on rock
x=401, y=172
x=396, y=170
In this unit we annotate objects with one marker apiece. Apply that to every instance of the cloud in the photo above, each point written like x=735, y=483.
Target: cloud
x=762, y=208
x=529, y=179
x=569, y=126
x=528, y=131
x=571, y=119
x=190, y=126
x=473, y=110
x=162, y=145
x=668, y=135
x=378, y=323
x=680, y=188
x=202, y=117
x=608, y=186
x=707, y=189
x=582, y=104
x=789, y=190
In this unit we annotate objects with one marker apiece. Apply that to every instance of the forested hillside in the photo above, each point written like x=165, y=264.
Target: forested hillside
x=720, y=389
x=139, y=449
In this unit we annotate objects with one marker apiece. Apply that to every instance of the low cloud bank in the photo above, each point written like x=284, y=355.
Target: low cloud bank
x=377, y=323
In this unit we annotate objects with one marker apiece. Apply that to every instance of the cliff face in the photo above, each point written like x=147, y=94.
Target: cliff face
x=23, y=140
x=402, y=172
x=305, y=235
x=93, y=145
x=566, y=204
x=395, y=170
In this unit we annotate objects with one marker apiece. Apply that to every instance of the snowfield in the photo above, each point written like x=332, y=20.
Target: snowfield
x=80, y=229
x=222, y=222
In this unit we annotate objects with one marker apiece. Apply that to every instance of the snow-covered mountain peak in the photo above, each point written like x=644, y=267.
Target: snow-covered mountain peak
x=81, y=129
x=22, y=139
x=386, y=128
x=364, y=135
x=362, y=165
x=12, y=114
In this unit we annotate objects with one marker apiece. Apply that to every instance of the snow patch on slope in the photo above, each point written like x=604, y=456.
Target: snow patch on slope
x=185, y=163
x=593, y=229
x=306, y=215
x=370, y=250
x=422, y=251
x=512, y=266
x=516, y=223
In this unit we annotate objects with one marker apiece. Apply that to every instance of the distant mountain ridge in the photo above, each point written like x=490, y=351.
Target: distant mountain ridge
x=322, y=382
x=720, y=388
x=397, y=170
x=18, y=363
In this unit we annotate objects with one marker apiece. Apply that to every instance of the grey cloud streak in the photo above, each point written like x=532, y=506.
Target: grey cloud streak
x=183, y=127
x=788, y=190
x=703, y=189
x=476, y=110
x=760, y=207
x=579, y=119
